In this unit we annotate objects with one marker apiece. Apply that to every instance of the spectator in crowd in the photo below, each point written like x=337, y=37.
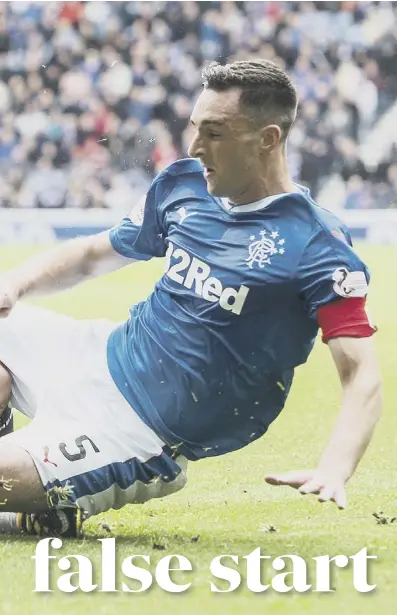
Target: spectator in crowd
x=95, y=97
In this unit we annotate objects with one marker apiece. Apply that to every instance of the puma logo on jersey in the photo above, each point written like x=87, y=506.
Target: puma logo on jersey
x=46, y=459
x=194, y=274
x=184, y=214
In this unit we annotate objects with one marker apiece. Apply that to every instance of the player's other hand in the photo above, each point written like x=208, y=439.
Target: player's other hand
x=8, y=298
x=328, y=487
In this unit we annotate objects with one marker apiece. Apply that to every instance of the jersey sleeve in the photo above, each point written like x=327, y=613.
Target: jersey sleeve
x=330, y=270
x=141, y=236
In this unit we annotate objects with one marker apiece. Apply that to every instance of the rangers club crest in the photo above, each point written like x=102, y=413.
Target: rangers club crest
x=262, y=249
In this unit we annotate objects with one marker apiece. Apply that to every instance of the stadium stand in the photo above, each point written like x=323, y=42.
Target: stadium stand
x=95, y=96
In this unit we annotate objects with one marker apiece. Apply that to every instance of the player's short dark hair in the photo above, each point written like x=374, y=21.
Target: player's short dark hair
x=267, y=92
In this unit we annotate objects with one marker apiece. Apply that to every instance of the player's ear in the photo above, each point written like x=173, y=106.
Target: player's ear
x=270, y=137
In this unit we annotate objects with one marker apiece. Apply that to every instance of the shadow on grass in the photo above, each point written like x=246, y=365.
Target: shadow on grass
x=304, y=545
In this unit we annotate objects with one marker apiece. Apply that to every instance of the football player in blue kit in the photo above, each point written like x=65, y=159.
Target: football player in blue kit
x=203, y=366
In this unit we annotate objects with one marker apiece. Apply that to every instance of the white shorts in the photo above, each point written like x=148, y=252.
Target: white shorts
x=89, y=446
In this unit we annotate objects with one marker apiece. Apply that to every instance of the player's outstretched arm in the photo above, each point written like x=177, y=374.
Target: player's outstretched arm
x=357, y=364
x=359, y=372
x=59, y=268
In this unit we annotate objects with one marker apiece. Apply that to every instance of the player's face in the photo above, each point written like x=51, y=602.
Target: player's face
x=228, y=146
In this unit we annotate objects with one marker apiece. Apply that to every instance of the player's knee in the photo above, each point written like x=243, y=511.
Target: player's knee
x=5, y=387
x=20, y=486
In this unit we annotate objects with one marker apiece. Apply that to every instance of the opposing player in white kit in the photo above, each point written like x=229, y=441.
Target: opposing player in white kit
x=203, y=366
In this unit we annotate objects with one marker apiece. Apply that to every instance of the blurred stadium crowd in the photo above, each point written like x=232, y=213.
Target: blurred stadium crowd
x=95, y=96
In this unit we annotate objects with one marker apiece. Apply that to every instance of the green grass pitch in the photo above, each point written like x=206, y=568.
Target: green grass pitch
x=226, y=507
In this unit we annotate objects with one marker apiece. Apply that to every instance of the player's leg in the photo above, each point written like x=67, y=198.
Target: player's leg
x=116, y=459
x=5, y=387
x=32, y=344
x=38, y=347
x=6, y=416
x=105, y=458
x=90, y=448
x=8, y=521
x=10, y=349
x=93, y=452
x=25, y=339
x=21, y=489
x=20, y=485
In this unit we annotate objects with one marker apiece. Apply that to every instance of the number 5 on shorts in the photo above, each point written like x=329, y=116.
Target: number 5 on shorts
x=82, y=451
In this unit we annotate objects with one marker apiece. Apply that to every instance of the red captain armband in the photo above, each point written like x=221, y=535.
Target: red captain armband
x=344, y=318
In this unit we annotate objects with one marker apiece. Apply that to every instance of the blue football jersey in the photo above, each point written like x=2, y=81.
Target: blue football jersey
x=207, y=360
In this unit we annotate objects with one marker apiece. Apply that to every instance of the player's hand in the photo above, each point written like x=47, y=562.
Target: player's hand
x=328, y=487
x=8, y=297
